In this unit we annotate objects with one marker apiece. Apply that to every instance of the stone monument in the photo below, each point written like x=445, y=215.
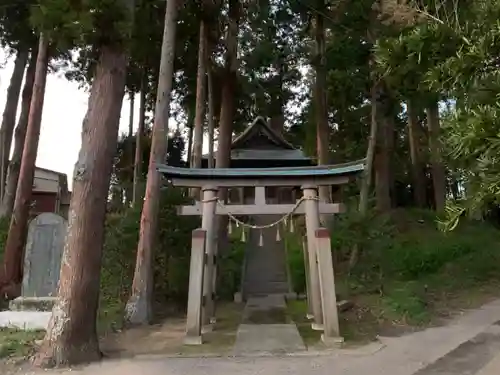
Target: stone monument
x=42, y=263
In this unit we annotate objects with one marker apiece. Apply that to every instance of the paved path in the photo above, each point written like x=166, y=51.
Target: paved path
x=492, y=368
x=468, y=346
x=265, y=328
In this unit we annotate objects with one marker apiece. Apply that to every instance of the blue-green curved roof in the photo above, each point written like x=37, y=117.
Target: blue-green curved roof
x=347, y=169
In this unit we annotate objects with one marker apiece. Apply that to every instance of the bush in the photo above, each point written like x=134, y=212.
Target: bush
x=295, y=258
x=406, y=262
x=171, y=253
x=230, y=268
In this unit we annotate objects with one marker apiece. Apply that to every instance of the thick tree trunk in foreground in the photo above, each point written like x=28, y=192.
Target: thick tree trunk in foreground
x=138, y=309
x=19, y=136
x=71, y=336
x=9, y=114
x=322, y=128
x=415, y=156
x=138, y=144
x=14, y=246
x=438, y=170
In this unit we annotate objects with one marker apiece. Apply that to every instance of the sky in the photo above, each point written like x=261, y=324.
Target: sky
x=64, y=109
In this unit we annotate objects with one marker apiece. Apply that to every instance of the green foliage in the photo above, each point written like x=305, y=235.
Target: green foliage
x=93, y=22
x=171, y=256
x=15, y=27
x=230, y=267
x=295, y=258
x=407, y=261
x=18, y=343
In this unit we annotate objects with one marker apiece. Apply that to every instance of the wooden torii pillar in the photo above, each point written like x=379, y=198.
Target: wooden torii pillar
x=322, y=298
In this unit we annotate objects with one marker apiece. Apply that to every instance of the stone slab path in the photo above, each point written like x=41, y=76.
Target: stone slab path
x=265, y=328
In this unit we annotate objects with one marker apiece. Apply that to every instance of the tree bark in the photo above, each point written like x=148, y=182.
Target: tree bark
x=129, y=188
x=227, y=110
x=190, y=146
x=71, y=336
x=14, y=246
x=201, y=83
x=211, y=116
x=131, y=116
x=138, y=144
x=277, y=114
x=19, y=137
x=370, y=157
x=228, y=103
x=438, y=170
x=138, y=309
x=383, y=180
x=366, y=181
x=9, y=114
x=415, y=155
x=322, y=127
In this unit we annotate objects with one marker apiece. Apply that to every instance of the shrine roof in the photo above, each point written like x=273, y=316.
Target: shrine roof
x=260, y=127
x=260, y=142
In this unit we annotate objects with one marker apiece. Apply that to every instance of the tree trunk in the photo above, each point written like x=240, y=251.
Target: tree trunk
x=190, y=146
x=19, y=136
x=366, y=182
x=138, y=143
x=138, y=309
x=228, y=89
x=227, y=110
x=129, y=188
x=9, y=114
x=370, y=157
x=131, y=116
x=201, y=83
x=438, y=170
x=383, y=152
x=322, y=128
x=14, y=246
x=199, y=117
x=415, y=155
x=277, y=115
x=71, y=336
x=211, y=117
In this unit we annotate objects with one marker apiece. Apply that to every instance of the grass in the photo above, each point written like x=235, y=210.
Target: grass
x=17, y=343
x=410, y=275
x=297, y=310
x=222, y=338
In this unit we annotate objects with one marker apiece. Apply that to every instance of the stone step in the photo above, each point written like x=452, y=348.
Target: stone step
x=269, y=288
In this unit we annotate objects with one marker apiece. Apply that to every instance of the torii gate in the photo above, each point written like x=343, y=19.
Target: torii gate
x=319, y=270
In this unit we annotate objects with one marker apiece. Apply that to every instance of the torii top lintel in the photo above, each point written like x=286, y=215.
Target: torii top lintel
x=239, y=177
